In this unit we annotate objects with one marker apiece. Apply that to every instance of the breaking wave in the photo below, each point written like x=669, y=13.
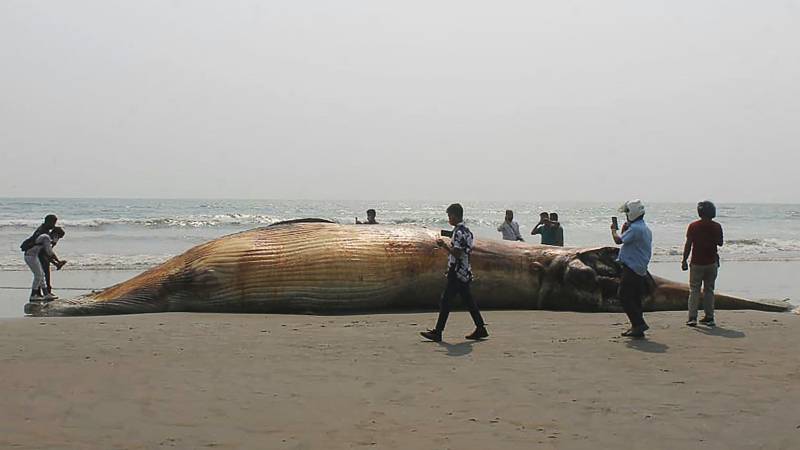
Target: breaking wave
x=193, y=221
x=766, y=249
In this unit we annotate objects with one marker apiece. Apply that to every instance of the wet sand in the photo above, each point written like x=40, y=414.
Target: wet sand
x=542, y=380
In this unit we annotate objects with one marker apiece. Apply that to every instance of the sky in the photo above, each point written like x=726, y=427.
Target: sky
x=667, y=100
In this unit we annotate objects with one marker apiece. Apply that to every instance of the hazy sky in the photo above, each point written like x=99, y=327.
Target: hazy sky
x=528, y=100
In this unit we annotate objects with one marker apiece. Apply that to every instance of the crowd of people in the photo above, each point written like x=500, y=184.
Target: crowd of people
x=703, y=237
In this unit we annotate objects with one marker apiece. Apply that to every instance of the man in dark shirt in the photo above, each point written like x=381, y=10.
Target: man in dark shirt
x=547, y=229
x=47, y=226
x=702, y=239
x=558, y=230
x=370, y=218
x=459, y=276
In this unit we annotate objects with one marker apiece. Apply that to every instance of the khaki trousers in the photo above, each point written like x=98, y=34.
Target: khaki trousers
x=705, y=275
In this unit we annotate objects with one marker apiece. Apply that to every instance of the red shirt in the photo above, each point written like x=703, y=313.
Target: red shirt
x=705, y=236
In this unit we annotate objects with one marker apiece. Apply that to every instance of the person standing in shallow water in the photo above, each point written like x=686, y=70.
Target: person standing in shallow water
x=634, y=256
x=558, y=230
x=459, y=277
x=510, y=228
x=370, y=218
x=702, y=239
x=546, y=229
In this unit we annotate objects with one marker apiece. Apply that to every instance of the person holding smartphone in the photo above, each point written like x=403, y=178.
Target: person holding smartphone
x=634, y=256
x=546, y=229
x=459, y=277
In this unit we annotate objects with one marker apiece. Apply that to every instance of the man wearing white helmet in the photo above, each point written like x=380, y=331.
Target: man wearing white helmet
x=702, y=239
x=634, y=255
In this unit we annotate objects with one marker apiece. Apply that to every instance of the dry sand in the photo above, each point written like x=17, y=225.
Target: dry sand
x=543, y=380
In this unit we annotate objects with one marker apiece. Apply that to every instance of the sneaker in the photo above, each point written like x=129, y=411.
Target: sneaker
x=432, y=335
x=479, y=333
x=708, y=321
x=50, y=297
x=36, y=298
x=691, y=323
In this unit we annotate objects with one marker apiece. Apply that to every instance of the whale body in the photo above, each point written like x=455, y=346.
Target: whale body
x=318, y=267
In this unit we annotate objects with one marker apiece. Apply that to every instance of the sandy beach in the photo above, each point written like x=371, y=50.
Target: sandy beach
x=543, y=380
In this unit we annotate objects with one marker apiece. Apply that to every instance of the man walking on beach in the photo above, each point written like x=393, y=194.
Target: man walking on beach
x=702, y=239
x=459, y=276
x=509, y=228
x=634, y=255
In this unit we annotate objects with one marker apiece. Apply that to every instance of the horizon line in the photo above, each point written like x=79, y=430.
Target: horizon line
x=387, y=200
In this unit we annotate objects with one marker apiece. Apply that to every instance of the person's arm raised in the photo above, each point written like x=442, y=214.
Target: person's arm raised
x=615, y=236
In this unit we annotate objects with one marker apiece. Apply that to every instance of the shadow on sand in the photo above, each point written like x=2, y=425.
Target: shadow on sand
x=460, y=349
x=720, y=331
x=646, y=345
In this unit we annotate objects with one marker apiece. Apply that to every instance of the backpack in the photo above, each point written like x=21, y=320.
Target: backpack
x=29, y=243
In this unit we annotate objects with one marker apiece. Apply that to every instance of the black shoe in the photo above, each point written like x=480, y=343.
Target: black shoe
x=478, y=334
x=433, y=335
x=636, y=332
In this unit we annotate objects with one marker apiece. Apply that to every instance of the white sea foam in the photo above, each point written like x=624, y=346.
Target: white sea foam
x=136, y=234
x=191, y=221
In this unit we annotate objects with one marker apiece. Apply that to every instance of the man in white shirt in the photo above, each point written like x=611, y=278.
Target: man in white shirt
x=509, y=228
x=43, y=245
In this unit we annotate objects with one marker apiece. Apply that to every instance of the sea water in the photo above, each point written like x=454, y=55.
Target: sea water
x=135, y=234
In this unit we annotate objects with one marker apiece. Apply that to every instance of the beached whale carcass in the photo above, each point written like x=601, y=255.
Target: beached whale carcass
x=313, y=266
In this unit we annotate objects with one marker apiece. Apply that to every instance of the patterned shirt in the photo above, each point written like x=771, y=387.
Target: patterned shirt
x=462, y=239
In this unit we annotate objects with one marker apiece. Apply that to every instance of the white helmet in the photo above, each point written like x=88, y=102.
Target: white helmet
x=633, y=209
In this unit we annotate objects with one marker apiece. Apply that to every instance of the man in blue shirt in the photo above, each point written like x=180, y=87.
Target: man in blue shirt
x=634, y=256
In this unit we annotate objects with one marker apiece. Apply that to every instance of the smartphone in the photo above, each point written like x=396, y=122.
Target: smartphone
x=614, y=223
x=447, y=233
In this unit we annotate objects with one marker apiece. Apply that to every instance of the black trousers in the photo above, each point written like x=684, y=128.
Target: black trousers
x=456, y=286
x=632, y=290
x=45, y=262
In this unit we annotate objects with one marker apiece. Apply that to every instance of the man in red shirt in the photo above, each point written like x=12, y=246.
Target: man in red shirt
x=702, y=239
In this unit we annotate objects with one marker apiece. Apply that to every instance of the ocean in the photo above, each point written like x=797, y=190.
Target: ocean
x=135, y=234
